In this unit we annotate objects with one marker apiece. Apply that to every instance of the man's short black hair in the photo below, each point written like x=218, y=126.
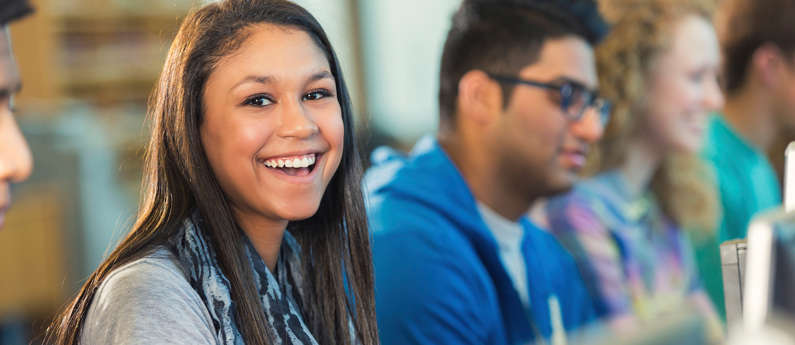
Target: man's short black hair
x=11, y=10
x=504, y=36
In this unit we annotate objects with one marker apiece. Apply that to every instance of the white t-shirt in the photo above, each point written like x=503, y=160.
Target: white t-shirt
x=509, y=236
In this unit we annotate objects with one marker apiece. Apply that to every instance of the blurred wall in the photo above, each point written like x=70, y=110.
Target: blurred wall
x=401, y=48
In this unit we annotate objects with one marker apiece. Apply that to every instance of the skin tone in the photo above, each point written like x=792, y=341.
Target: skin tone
x=682, y=92
x=764, y=106
x=512, y=155
x=275, y=98
x=16, y=162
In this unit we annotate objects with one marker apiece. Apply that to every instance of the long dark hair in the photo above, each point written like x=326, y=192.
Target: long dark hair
x=335, y=242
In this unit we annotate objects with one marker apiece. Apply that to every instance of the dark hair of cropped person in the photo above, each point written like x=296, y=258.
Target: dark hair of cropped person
x=504, y=36
x=749, y=25
x=335, y=243
x=11, y=10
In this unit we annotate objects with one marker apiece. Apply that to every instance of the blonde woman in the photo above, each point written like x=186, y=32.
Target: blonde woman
x=625, y=223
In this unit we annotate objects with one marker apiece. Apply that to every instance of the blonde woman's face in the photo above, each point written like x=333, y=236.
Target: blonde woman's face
x=272, y=128
x=683, y=88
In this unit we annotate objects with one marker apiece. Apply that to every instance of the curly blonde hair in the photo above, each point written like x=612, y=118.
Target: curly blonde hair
x=642, y=30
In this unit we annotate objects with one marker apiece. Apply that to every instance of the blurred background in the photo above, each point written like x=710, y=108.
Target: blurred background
x=88, y=67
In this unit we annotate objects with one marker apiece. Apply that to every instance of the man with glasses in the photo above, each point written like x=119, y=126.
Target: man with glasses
x=456, y=260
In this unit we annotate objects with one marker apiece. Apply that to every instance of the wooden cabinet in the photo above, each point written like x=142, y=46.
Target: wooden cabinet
x=104, y=52
x=87, y=67
x=31, y=254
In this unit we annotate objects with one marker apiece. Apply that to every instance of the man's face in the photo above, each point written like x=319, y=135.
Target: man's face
x=540, y=151
x=15, y=159
x=784, y=94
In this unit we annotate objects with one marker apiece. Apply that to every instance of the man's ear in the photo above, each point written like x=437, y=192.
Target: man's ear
x=767, y=62
x=479, y=97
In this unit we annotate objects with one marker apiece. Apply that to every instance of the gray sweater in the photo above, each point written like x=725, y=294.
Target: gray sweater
x=148, y=301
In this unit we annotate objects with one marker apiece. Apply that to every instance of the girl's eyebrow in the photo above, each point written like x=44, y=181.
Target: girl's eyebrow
x=265, y=79
x=321, y=75
x=257, y=79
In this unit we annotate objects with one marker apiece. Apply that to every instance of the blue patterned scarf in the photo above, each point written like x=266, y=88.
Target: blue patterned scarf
x=276, y=293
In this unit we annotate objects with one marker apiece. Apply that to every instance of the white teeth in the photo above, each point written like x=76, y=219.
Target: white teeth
x=303, y=162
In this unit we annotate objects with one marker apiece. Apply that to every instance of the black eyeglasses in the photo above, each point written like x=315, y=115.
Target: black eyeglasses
x=574, y=97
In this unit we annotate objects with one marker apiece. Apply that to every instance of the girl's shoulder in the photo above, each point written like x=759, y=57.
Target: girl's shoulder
x=596, y=204
x=158, y=266
x=148, y=298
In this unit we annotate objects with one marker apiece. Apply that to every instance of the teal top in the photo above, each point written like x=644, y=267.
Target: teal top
x=746, y=183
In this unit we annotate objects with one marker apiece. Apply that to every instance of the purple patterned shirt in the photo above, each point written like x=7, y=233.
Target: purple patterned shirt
x=634, y=259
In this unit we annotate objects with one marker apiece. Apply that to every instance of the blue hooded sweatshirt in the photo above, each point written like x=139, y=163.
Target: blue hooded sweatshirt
x=438, y=274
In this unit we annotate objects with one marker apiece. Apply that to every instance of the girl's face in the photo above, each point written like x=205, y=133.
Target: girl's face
x=683, y=88
x=272, y=128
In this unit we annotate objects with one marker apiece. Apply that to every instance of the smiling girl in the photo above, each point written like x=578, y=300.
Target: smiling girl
x=251, y=226
x=625, y=225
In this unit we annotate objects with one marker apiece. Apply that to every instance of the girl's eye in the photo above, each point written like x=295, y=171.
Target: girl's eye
x=259, y=101
x=316, y=94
